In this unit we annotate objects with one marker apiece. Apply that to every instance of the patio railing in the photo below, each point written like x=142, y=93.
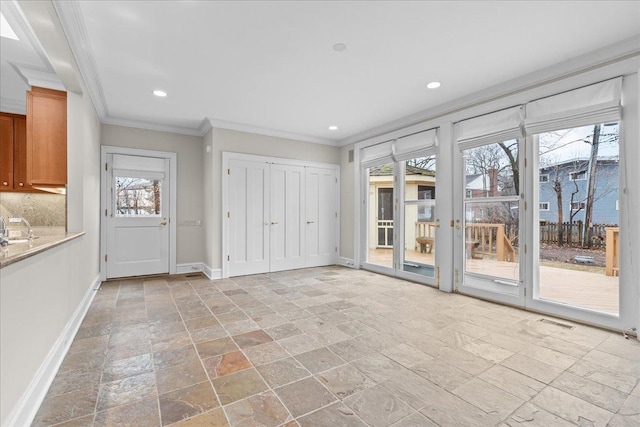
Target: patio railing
x=490, y=240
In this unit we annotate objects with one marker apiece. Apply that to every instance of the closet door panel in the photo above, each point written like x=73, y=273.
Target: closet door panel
x=321, y=216
x=287, y=217
x=248, y=218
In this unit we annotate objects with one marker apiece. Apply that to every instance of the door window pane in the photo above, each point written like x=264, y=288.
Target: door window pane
x=137, y=197
x=492, y=170
x=419, y=216
x=579, y=230
x=380, y=216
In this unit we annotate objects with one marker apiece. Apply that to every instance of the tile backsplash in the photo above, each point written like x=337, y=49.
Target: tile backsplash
x=41, y=210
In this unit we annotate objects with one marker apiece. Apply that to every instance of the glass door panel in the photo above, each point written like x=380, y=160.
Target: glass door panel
x=577, y=211
x=491, y=229
x=380, y=217
x=419, y=216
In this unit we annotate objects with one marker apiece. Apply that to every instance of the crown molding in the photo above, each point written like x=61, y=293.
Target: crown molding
x=627, y=49
x=13, y=106
x=242, y=127
x=75, y=30
x=141, y=124
x=34, y=76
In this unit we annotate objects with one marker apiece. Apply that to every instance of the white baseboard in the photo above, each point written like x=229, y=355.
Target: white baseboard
x=346, y=262
x=188, y=268
x=212, y=274
x=27, y=407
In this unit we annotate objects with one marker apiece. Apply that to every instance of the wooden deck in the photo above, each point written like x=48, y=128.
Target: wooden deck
x=579, y=288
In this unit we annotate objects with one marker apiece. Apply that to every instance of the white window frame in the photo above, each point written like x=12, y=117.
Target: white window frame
x=540, y=206
x=572, y=178
x=581, y=205
x=546, y=177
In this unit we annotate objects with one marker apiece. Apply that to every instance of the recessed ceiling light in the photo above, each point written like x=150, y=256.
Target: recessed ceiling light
x=6, y=30
x=339, y=47
x=333, y=127
x=160, y=93
x=433, y=85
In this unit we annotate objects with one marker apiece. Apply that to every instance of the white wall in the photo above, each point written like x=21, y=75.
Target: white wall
x=248, y=143
x=39, y=295
x=190, y=206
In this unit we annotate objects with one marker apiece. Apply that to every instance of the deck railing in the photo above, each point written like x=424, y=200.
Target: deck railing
x=612, y=259
x=490, y=240
x=425, y=229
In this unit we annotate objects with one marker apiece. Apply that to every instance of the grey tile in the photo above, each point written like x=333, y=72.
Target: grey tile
x=512, y=382
x=304, y=396
x=489, y=398
x=535, y=369
x=334, y=415
x=448, y=410
x=378, y=407
x=345, y=380
x=571, y=408
x=605, y=397
x=282, y=372
x=319, y=360
x=529, y=415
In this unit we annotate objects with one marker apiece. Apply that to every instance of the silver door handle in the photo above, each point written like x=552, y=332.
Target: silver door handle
x=163, y=223
x=309, y=222
x=273, y=222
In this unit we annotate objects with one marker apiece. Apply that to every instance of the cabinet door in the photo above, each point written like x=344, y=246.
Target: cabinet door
x=20, y=154
x=46, y=137
x=6, y=153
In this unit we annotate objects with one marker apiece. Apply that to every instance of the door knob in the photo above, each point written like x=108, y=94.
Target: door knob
x=274, y=222
x=5, y=183
x=21, y=184
x=309, y=222
x=163, y=223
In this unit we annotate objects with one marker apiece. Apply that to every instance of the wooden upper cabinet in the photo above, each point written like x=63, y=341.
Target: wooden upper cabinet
x=6, y=152
x=20, y=154
x=46, y=154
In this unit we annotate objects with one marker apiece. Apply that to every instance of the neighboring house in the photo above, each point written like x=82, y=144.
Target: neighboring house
x=573, y=178
x=420, y=184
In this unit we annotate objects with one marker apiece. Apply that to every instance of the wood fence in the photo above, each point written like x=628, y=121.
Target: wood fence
x=572, y=234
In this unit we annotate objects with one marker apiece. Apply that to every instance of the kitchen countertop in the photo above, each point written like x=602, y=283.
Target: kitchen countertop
x=45, y=238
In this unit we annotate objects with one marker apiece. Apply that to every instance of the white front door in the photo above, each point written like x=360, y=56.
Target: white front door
x=137, y=216
x=321, y=216
x=248, y=217
x=287, y=219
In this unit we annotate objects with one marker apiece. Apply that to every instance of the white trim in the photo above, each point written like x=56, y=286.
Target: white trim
x=540, y=206
x=540, y=180
x=76, y=32
x=25, y=410
x=191, y=267
x=34, y=76
x=211, y=273
x=141, y=124
x=8, y=105
x=243, y=127
x=173, y=200
x=346, y=262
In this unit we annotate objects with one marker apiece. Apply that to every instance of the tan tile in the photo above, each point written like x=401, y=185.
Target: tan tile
x=489, y=352
x=216, y=347
x=126, y=390
x=225, y=364
x=260, y=410
x=412, y=389
x=489, y=398
x=319, y=360
x=304, y=396
x=282, y=372
x=601, y=395
x=415, y=420
x=64, y=407
x=378, y=407
x=533, y=368
x=174, y=356
x=442, y=374
x=448, y=410
x=265, y=353
x=208, y=334
x=179, y=376
x=334, y=415
x=65, y=382
x=282, y=331
x=143, y=413
x=550, y=357
x=378, y=367
x=251, y=339
x=512, y=382
x=201, y=322
x=626, y=348
x=571, y=408
x=299, y=344
x=350, y=350
x=119, y=369
x=529, y=415
x=171, y=341
x=406, y=355
x=603, y=375
x=240, y=385
x=187, y=402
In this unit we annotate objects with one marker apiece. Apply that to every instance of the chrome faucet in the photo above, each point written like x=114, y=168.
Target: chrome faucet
x=17, y=219
x=3, y=233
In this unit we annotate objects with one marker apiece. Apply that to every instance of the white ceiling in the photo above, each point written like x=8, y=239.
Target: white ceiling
x=271, y=66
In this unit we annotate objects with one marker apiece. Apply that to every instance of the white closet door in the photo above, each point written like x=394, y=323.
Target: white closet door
x=321, y=216
x=248, y=217
x=287, y=217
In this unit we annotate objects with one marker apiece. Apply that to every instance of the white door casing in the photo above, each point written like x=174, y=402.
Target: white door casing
x=137, y=239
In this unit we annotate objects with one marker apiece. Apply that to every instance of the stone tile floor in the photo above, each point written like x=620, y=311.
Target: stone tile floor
x=333, y=347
